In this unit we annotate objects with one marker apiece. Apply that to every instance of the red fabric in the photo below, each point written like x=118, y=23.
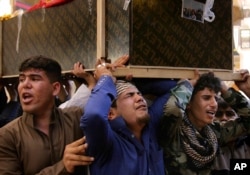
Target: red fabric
x=47, y=4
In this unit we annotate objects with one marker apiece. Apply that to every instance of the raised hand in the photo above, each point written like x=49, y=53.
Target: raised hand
x=80, y=72
x=244, y=85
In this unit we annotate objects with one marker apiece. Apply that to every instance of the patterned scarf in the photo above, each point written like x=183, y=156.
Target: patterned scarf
x=200, y=148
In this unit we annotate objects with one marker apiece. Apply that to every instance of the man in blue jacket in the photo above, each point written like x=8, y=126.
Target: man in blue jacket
x=121, y=129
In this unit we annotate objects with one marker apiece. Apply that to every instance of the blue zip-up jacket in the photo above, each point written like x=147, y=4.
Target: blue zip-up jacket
x=116, y=150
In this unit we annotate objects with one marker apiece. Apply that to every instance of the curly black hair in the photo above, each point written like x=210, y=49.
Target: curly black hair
x=207, y=80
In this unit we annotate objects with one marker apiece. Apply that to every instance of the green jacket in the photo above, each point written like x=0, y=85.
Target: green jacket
x=176, y=161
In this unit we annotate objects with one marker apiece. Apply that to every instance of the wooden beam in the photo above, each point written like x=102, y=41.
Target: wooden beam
x=172, y=72
x=164, y=72
x=100, y=28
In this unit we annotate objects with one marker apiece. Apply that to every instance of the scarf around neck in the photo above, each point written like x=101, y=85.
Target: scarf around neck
x=200, y=147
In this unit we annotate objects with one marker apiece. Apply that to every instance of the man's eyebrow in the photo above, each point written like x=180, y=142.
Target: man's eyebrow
x=130, y=92
x=30, y=75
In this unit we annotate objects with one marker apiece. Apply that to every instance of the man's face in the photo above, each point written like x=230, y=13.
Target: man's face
x=225, y=114
x=202, y=109
x=132, y=107
x=36, y=92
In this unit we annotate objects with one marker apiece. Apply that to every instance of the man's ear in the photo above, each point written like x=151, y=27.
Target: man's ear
x=112, y=113
x=57, y=87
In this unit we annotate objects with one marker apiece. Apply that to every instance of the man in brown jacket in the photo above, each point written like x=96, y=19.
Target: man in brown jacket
x=45, y=139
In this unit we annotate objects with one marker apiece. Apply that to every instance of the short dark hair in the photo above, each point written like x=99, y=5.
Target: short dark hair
x=51, y=67
x=207, y=80
x=222, y=104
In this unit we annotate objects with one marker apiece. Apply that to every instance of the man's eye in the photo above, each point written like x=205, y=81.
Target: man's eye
x=206, y=97
x=35, y=78
x=21, y=79
x=130, y=94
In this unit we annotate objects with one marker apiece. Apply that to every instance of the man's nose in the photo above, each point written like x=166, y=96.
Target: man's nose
x=139, y=97
x=224, y=117
x=213, y=102
x=26, y=83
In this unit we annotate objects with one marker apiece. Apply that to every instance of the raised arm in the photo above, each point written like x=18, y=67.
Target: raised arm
x=175, y=107
x=233, y=129
x=80, y=97
x=95, y=122
x=237, y=101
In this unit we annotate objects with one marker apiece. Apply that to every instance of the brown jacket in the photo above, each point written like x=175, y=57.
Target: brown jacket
x=24, y=150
